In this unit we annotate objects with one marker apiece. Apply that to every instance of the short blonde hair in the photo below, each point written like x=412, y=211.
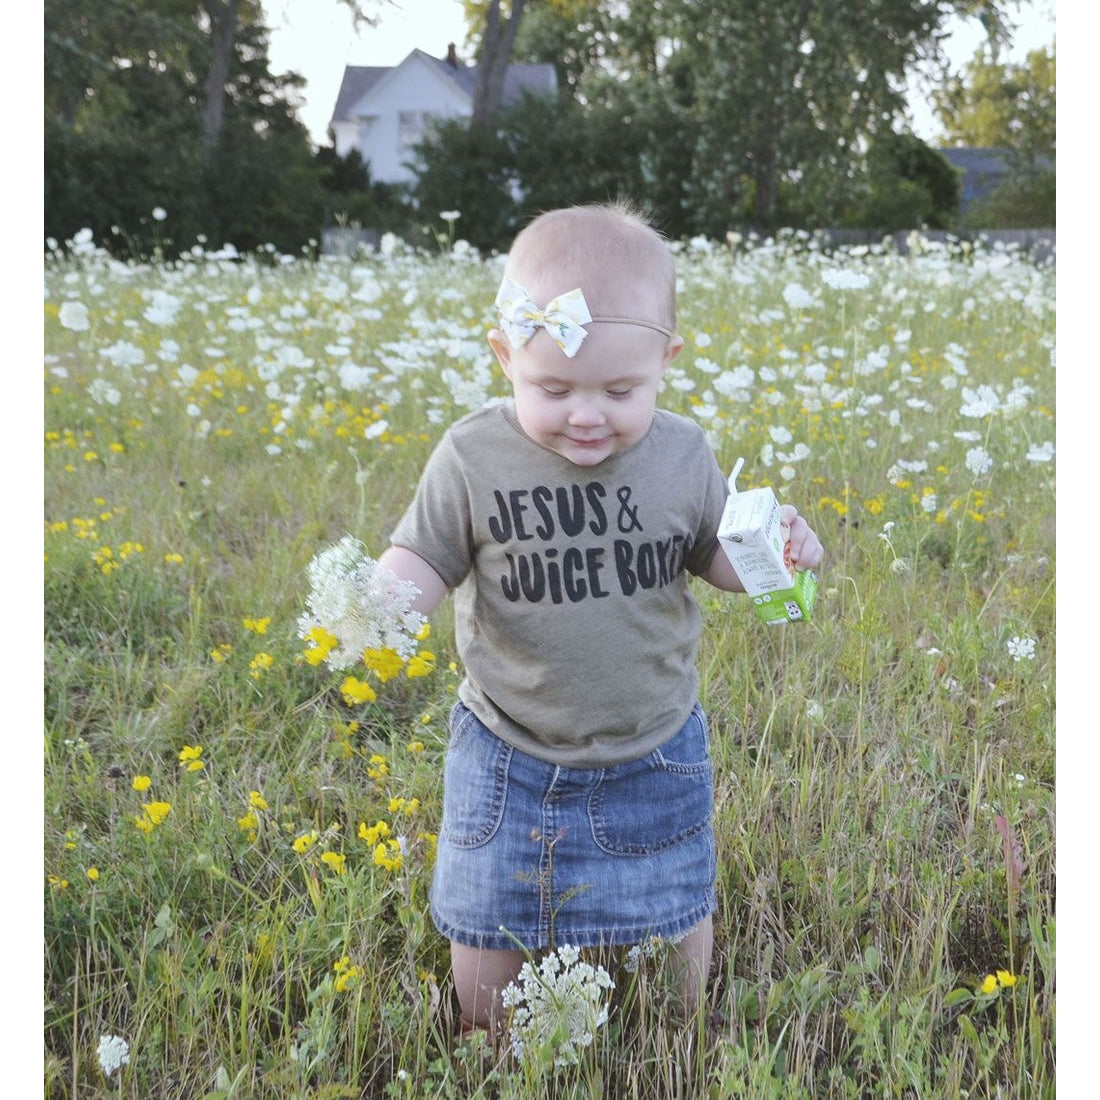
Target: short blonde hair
x=623, y=265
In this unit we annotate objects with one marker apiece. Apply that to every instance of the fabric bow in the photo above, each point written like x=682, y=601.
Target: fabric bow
x=562, y=318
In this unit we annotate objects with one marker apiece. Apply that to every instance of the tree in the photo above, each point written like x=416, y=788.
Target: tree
x=779, y=98
x=1013, y=108
x=1002, y=105
x=139, y=99
x=494, y=57
x=908, y=184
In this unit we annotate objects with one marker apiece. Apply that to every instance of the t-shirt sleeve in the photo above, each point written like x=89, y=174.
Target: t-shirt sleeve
x=437, y=525
x=714, y=492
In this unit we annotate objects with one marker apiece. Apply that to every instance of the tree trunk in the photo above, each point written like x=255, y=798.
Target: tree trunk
x=223, y=31
x=496, y=52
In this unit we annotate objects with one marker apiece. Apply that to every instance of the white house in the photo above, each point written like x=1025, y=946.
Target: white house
x=384, y=111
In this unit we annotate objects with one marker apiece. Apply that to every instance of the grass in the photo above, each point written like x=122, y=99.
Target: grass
x=214, y=889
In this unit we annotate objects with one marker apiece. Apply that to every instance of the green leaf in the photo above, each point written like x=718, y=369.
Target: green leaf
x=966, y=1026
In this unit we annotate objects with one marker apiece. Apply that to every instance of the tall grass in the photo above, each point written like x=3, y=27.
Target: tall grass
x=237, y=859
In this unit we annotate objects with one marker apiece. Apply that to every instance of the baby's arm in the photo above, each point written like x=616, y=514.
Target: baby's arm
x=403, y=563
x=806, y=553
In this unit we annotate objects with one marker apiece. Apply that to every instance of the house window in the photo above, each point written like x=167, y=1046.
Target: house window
x=414, y=126
x=410, y=124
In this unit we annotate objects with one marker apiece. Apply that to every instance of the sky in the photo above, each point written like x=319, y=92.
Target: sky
x=316, y=39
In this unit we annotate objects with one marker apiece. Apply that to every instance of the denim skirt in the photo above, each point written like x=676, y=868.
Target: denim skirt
x=536, y=855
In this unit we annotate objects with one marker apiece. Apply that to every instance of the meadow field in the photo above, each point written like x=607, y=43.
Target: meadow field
x=238, y=840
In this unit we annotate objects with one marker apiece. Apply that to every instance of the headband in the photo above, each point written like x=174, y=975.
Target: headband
x=563, y=317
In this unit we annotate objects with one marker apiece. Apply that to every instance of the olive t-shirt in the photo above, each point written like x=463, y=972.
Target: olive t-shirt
x=573, y=615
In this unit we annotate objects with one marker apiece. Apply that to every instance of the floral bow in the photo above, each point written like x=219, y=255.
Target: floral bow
x=563, y=318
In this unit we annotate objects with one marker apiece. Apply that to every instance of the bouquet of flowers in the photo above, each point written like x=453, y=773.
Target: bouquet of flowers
x=354, y=604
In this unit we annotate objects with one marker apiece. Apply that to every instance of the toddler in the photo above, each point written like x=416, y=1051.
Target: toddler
x=578, y=790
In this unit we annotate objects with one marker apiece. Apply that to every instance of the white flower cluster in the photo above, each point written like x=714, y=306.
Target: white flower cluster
x=560, y=1002
x=1021, y=649
x=114, y=1053
x=656, y=947
x=361, y=604
x=840, y=279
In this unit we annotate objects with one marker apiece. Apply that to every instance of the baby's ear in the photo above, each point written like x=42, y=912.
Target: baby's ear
x=502, y=350
x=675, y=346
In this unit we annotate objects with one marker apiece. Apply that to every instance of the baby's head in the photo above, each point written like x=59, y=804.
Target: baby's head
x=620, y=262
x=587, y=328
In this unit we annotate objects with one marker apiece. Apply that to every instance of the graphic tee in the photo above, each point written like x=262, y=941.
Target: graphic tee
x=573, y=614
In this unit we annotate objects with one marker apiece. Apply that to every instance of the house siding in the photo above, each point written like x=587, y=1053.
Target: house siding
x=384, y=112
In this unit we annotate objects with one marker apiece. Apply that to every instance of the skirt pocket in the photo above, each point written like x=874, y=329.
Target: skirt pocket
x=667, y=797
x=475, y=781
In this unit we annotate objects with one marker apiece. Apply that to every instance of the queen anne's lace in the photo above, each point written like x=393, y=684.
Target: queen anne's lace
x=361, y=604
x=560, y=1002
x=114, y=1053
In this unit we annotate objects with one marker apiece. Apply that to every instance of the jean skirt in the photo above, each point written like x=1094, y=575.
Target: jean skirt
x=537, y=855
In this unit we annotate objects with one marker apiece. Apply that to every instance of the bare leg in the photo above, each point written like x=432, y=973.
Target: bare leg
x=691, y=966
x=479, y=978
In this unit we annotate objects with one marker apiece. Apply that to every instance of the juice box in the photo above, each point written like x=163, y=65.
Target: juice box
x=758, y=545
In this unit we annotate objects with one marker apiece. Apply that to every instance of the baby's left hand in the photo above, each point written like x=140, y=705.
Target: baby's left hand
x=806, y=548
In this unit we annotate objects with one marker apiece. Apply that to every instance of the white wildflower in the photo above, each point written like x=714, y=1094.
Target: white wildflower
x=979, y=461
x=1040, y=452
x=839, y=279
x=980, y=402
x=797, y=296
x=656, y=947
x=361, y=604
x=1021, y=649
x=561, y=1002
x=114, y=1053
x=74, y=316
x=159, y=213
x=103, y=393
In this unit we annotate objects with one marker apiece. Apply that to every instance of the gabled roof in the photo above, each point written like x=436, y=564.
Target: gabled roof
x=979, y=160
x=360, y=79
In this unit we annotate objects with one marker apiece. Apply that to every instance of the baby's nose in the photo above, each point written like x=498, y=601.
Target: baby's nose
x=586, y=411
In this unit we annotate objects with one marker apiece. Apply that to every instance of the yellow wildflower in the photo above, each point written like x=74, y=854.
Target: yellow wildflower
x=420, y=665
x=221, y=652
x=191, y=758
x=153, y=814
x=990, y=984
x=257, y=800
x=257, y=626
x=384, y=663
x=322, y=643
x=259, y=664
x=335, y=860
x=378, y=768
x=374, y=833
x=93, y=873
x=249, y=824
x=388, y=854
x=303, y=843
x=357, y=691
x=416, y=746
x=1006, y=978
x=346, y=974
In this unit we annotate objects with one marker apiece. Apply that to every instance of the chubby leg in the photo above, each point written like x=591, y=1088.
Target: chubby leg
x=479, y=978
x=690, y=959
